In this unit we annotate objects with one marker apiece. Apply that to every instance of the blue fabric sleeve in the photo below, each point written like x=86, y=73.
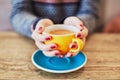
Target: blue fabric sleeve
x=22, y=16
x=89, y=13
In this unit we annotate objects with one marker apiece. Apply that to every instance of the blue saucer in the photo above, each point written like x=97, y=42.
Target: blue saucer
x=58, y=65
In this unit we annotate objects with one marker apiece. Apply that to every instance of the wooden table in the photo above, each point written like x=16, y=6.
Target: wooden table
x=102, y=50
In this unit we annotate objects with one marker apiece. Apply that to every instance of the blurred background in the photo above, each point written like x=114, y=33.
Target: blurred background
x=110, y=8
x=5, y=8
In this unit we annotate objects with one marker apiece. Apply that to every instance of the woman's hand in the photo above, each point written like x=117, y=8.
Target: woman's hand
x=82, y=34
x=48, y=49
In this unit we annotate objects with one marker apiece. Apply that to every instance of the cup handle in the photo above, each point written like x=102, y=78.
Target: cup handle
x=79, y=43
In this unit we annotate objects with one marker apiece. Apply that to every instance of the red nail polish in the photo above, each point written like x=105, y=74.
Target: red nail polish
x=73, y=46
x=56, y=54
x=81, y=25
x=47, y=38
x=52, y=47
x=79, y=35
x=71, y=55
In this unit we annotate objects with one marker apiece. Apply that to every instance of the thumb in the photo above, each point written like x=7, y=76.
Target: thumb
x=82, y=34
x=42, y=24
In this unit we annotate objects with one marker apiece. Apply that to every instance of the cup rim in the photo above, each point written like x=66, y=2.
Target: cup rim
x=57, y=25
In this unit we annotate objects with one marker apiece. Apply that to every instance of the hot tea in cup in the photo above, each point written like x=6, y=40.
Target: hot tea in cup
x=63, y=35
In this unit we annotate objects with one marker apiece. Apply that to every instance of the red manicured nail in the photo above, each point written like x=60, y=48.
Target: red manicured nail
x=47, y=38
x=79, y=35
x=73, y=46
x=56, y=54
x=52, y=47
x=71, y=55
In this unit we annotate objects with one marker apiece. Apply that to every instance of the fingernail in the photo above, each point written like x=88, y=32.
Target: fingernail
x=56, y=54
x=71, y=55
x=81, y=25
x=52, y=47
x=47, y=38
x=73, y=46
x=78, y=35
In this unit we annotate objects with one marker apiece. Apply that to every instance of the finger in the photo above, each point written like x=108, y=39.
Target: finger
x=61, y=56
x=51, y=53
x=41, y=37
x=39, y=28
x=42, y=24
x=45, y=47
x=47, y=22
x=69, y=54
x=82, y=34
x=80, y=25
x=73, y=45
x=74, y=21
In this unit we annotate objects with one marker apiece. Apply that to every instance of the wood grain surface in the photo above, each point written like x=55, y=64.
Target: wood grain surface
x=102, y=50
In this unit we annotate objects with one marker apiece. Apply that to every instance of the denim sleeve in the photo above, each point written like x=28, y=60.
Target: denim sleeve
x=89, y=13
x=22, y=16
